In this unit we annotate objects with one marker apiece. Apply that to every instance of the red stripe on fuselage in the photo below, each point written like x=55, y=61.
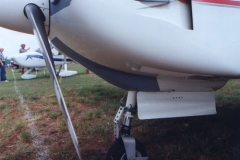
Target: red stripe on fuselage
x=221, y=2
x=185, y=1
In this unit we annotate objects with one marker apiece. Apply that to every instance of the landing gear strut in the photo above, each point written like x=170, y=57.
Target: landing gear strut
x=126, y=147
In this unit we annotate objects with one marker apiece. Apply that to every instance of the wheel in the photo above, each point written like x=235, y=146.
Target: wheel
x=117, y=151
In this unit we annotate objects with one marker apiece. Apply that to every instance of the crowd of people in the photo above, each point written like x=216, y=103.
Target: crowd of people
x=3, y=77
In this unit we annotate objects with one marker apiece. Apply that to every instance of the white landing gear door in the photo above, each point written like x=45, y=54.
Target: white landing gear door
x=153, y=105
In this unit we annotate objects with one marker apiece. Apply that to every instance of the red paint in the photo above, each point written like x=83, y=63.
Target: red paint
x=222, y=2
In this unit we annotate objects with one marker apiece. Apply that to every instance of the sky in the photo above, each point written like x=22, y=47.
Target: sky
x=11, y=41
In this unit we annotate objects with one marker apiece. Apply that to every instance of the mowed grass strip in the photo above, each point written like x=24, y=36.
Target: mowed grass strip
x=12, y=125
x=92, y=104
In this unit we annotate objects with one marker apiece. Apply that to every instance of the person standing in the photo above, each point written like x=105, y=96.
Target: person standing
x=23, y=50
x=2, y=66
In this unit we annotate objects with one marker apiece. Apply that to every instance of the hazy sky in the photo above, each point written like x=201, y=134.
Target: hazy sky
x=11, y=41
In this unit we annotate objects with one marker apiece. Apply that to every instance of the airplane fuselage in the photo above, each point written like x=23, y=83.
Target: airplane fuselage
x=34, y=60
x=144, y=45
x=151, y=37
x=169, y=55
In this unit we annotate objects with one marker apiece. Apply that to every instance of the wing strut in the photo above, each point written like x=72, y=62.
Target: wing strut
x=37, y=19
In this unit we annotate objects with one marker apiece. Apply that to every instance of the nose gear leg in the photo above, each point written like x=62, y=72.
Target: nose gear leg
x=124, y=132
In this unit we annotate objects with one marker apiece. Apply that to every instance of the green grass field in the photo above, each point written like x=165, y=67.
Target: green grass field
x=31, y=123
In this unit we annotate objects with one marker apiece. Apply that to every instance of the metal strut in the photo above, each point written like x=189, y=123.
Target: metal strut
x=127, y=113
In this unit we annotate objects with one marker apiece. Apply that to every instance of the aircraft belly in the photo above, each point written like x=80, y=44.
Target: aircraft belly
x=181, y=84
x=121, y=79
x=129, y=41
x=168, y=81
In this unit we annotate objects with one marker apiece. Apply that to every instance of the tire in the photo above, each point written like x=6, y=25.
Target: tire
x=117, y=151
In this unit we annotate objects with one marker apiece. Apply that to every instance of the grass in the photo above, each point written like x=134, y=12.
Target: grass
x=54, y=114
x=20, y=124
x=25, y=136
x=92, y=105
x=23, y=151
